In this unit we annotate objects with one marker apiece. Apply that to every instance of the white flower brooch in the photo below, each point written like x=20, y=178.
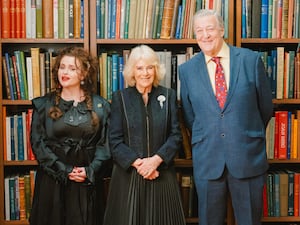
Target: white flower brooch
x=161, y=99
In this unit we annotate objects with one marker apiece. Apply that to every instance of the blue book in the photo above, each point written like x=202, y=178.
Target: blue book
x=274, y=73
x=13, y=93
x=98, y=18
x=12, y=198
x=244, y=20
x=113, y=19
x=291, y=175
x=178, y=25
x=12, y=138
x=81, y=19
x=121, y=77
x=115, y=72
x=109, y=18
x=264, y=19
x=20, y=138
x=22, y=81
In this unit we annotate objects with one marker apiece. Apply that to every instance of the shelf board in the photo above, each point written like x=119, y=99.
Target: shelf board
x=286, y=101
x=20, y=163
x=281, y=219
x=146, y=41
x=16, y=222
x=270, y=41
x=183, y=162
x=16, y=102
x=41, y=40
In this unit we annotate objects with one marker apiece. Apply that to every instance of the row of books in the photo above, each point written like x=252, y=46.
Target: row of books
x=283, y=70
x=270, y=19
x=17, y=136
x=112, y=64
x=281, y=194
x=18, y=195
x=42, y=19
x=27, y=75
x=156, y=18
x=283, y=135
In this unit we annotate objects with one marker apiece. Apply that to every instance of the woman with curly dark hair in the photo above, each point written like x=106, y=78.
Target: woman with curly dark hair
x=69, y=140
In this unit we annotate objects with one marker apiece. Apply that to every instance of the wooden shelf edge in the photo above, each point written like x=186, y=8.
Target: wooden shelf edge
x=16, y=102
x=270, y=41
x=41, y=40
x=281, y=219
x=15, y=222
x=21, y=163
x=183, y=162
x=146, y=41
x=286, y=101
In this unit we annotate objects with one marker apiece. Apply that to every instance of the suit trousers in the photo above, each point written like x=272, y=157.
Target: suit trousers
x=246, y=195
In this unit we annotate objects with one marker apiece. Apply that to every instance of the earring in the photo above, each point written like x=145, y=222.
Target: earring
x=82, y=82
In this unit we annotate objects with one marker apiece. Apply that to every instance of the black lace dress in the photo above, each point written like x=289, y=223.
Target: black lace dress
x=59, y=146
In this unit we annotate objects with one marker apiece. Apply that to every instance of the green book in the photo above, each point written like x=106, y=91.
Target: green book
x=39, y=19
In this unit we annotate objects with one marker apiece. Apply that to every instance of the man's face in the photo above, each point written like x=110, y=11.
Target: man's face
x=209, y=35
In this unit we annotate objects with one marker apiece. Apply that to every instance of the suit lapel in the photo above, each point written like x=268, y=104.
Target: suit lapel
x=234, y=73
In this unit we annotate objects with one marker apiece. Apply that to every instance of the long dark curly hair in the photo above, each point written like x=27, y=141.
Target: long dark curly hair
x=88, y=66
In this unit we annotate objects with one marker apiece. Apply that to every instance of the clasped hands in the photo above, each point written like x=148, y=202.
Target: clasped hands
x=78, y=174
x=147, y=167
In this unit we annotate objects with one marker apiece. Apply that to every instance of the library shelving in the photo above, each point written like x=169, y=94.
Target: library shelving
x=271, y=27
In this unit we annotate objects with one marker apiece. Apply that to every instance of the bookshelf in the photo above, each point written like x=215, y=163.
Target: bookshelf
x=176, y=46
x=290, y=42
x=9, y=45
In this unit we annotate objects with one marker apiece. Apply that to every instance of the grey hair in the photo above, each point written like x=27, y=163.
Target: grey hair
x=209, y=12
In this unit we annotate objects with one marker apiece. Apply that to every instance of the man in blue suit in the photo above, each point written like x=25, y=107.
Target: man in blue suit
x=228, y=141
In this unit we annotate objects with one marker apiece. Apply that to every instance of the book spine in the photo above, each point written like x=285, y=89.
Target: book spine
x=5, y=19
x=39, y=19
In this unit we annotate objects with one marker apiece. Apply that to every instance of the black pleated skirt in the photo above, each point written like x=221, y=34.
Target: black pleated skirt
x=133, y=200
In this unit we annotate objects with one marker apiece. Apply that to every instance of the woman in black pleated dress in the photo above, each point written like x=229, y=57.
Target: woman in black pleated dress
x=69, y=140
x=144, y=137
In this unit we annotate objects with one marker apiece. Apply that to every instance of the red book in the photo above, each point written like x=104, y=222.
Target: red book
x=282, y=133
x=5, y=20
x=30, y=154
x=12, y=15
x=265, y=201
x=23, y=18
x=18, y=18
x=296, y=193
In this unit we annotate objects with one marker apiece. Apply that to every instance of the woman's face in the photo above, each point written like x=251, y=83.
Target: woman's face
x=69, y=73
x=144, y=74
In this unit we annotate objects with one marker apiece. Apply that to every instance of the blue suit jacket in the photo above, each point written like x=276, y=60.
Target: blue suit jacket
x=235, y=135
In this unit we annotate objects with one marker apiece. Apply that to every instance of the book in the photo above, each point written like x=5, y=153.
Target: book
x=66, y=18
x=12, y=16
x=33, y=19
x=21, y=71
x=71, y=18
x=39, y=19
x=264, y=19
x=35, y=65
x=47, y=23
x=14, y=72
x=11, y=76
x=185, y=193
x=60, y=19
x=5, y=19
x=77, y=18
x=6, y=80
x=167, y=18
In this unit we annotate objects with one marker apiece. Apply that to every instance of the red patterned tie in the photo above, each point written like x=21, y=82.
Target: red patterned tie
x=221, y=89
